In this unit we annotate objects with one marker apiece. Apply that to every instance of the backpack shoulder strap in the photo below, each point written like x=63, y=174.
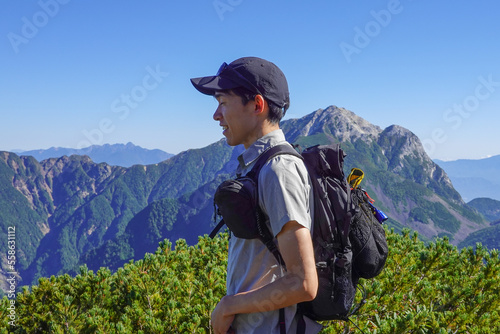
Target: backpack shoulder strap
x=217, y=228
x=265, y=234
x=254, y=175
x=268, y=155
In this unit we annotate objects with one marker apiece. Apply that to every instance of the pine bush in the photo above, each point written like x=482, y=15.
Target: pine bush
x=432, y=288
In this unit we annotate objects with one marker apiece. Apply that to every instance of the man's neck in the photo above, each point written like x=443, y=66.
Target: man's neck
x=266, y=128
x=269, y=127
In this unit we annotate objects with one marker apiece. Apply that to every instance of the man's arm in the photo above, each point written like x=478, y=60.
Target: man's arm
x=300, y=282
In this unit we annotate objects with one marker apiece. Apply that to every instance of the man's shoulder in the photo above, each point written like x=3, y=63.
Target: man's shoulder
x=283, y=165
x=285, y=153
x=285, y=159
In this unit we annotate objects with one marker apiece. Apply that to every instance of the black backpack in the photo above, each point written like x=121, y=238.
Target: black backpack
x=343, y=254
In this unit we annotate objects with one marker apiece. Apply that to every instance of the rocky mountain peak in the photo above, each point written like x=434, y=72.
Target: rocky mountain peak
x=340, y=123
x=401, y=142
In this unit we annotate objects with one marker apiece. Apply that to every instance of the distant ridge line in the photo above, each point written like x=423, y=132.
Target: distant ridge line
x=124, y=155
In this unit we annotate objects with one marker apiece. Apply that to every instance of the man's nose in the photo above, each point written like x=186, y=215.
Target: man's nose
x=217, y=114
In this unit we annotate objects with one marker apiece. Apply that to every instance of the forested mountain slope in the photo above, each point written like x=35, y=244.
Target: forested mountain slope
x=69, y=210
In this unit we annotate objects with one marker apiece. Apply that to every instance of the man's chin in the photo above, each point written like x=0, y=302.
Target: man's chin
x=229, y=141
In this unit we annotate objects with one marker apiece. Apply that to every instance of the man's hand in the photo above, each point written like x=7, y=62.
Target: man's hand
x=221, y=320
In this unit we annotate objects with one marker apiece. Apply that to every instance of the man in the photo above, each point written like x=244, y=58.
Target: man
x=253, y=97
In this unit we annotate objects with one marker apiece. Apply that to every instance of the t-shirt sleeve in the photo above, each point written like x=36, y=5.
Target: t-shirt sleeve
x=284, y=192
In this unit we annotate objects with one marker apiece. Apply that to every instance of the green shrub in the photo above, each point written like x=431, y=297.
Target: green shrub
x=423, y=289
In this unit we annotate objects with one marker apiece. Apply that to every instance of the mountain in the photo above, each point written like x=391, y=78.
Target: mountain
x=125, y=155
x=474, y=178
x=66, y=207
x=71, y=210
x=488, y=207
x=488, y=236
x=407, y=184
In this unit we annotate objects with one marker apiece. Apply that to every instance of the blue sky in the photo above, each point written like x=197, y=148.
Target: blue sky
x=75, y=73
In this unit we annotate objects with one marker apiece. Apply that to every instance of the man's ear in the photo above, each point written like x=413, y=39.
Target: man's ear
x=260, y=103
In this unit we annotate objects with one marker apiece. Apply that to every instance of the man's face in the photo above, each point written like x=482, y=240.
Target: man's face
x=238, y=121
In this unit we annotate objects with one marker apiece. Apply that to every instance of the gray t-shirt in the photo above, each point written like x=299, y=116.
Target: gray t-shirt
x=285, y=194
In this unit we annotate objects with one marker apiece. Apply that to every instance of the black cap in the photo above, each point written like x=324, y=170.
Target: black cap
x=255, y=74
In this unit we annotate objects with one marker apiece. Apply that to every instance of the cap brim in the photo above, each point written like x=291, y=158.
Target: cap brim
x=211, y=85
